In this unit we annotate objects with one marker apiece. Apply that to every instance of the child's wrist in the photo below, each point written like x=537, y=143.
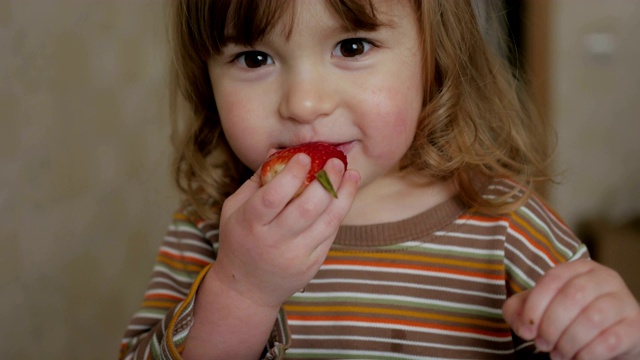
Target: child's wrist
x=227, y=284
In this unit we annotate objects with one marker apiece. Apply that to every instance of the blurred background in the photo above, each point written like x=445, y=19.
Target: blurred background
x=85, y=187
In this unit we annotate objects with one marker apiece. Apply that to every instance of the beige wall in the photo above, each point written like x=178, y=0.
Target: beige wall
x=595, y=105
x=85, y=190
x=85, y=193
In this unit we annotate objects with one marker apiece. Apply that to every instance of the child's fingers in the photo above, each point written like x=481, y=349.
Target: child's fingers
x=335, y=213
x=314, y=200
x=337, y=210
x=572, y=303
x=512, y=311
x=543, y=293
x=621, y=341
x=602, y=313
x=274, y=196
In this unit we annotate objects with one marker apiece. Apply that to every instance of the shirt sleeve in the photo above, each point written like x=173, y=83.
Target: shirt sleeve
x=536, y=241
x=160, y=327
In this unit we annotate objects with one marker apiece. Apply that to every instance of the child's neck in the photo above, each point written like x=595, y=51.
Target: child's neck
x=397, y=197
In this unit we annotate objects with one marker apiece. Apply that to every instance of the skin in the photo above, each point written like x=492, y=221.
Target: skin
x=287, y=91
x=578, y=310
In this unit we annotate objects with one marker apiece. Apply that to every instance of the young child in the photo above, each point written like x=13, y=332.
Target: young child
x=435, y=246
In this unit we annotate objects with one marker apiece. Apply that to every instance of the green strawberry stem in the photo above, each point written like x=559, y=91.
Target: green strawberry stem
x=323, y=178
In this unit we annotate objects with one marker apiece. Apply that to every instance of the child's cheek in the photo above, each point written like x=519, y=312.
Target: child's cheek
x=242, y=132
x=397, y=119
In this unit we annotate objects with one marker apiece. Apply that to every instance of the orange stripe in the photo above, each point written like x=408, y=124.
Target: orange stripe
x=388, y=311
x=504, y=333
x=535, y=244
x=178, y=265
x=158, y=304
x=180, y=216
x=422, y=258
x=515, y=287
x=184, y=257
x=550, y=250
x=173, y=351
x=417, y=267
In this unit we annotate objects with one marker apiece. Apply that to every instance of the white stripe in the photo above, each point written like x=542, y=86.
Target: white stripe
x=524, y=345
x=400, y=341
x=375, y=298
x=137, y=327
x=182, y=334
x=358, y=353
x=549, y=233
x=175, y=286
x=146, y=352
x=211, y=233
x=161, y=269
x=533, y=249
x=482, y=223
x=468, y=250
x=525, y=259
x=550, y=216
x=197, y=243
x=399, y=327
x=412, y=272
x=470, y=236
x=581, y=250
x=185, y=228
x=551, y=220
x=163, y=292
x=408, y=285
x=186, y=253
x=155, y=345
x=507, y=190
x=149, y=315
x=517, y=270
x=555, y=223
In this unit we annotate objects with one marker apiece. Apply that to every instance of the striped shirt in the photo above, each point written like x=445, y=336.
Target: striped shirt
x=430, y=286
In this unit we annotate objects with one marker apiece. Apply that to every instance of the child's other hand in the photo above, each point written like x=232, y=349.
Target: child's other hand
x=580, y=310
x=270, y=245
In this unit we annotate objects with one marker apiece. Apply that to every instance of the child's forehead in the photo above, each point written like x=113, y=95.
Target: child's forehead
x=283, y=18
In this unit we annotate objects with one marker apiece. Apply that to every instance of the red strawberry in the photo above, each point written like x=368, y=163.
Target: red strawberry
x=319, y=152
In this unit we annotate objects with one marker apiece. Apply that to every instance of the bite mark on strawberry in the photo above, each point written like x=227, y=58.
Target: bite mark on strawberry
x=319, y=153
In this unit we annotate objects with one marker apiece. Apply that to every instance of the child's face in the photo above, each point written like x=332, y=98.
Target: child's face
x=361, y=91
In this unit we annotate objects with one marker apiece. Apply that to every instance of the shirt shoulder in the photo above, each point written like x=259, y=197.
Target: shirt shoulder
x=536, y=237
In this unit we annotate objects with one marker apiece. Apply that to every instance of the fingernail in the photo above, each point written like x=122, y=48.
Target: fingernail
x=355, y=176
x=303, y=159
x=542, y=345
x=338, y=165
x=526, y=332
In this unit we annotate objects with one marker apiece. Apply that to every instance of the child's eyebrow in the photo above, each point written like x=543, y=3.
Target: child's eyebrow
x=254, y=29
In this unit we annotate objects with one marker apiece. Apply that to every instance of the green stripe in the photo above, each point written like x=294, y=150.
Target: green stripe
x=422, y=250
x=515, y=277
x=543, y=229
x=407, y=304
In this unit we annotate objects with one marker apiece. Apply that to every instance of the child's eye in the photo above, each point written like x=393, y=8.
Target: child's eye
x=253, y=59
x=351, y=48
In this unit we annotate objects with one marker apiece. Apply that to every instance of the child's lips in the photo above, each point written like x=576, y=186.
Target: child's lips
x=345, y=147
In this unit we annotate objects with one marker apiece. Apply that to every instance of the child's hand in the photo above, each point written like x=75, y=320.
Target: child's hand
x=270, y=245
x=581, y=310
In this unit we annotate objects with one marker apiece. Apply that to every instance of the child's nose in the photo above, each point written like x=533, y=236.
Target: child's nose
x=307, y=97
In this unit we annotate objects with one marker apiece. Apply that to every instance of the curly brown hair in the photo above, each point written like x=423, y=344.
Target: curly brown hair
x=476, y=124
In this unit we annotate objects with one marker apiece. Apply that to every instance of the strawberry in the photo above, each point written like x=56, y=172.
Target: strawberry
x=319, y=152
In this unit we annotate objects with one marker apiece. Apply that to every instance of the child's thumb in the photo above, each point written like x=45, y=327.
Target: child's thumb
x=512, y=311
